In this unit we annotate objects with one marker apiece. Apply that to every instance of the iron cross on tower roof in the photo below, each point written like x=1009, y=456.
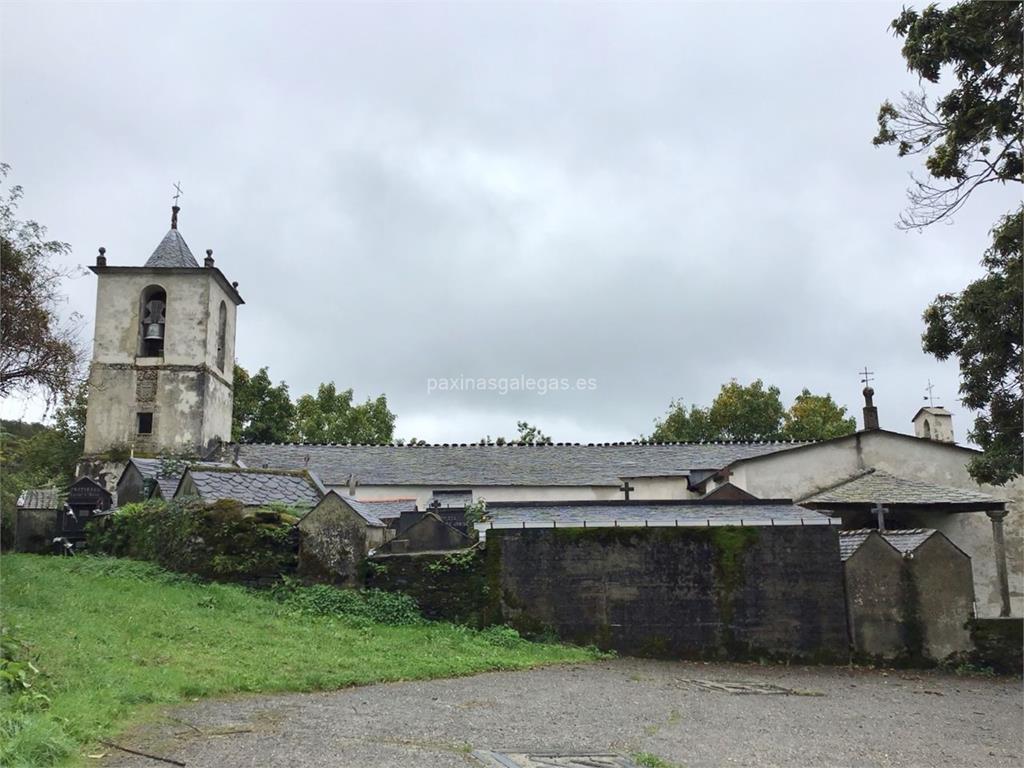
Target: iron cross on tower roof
x=866, y=376
x=930, y=397
x=177, y=191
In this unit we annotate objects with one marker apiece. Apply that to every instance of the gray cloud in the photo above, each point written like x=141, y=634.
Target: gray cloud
x=658, y=197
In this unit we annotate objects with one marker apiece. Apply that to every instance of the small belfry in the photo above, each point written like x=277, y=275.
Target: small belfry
x=161, y=377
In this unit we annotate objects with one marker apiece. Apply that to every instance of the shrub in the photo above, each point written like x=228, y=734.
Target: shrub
x=221, y=540
x=371, y=604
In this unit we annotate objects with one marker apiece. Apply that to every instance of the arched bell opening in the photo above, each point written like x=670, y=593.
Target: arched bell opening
x=152, y=321
x=222, y=332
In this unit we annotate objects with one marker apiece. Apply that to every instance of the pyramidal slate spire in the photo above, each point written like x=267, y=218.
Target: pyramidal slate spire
x=173, y=251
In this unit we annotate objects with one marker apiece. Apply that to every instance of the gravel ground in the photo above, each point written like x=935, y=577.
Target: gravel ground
x=689, y=714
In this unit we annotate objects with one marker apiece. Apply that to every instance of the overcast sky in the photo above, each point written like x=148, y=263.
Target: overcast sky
x=658, y=198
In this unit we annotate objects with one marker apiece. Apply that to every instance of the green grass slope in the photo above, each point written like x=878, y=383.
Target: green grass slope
x=115, y=638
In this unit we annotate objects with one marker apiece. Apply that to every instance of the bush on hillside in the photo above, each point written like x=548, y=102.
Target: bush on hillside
x=371, y=604
x=221, y=540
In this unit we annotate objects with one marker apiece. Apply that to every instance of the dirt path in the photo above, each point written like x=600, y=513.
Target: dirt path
x=688, y=714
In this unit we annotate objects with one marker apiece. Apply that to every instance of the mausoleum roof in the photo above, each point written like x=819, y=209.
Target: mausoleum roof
x=575, y=514
x=255, y=487
x=40, y=498
x=878, y=487
x=904, y=541
x=561, y=464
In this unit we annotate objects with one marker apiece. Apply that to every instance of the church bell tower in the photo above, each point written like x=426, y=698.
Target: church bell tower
x=163, y=355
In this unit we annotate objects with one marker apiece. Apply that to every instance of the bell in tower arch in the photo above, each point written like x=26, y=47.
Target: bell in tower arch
x=154, y=319
x=153, y=322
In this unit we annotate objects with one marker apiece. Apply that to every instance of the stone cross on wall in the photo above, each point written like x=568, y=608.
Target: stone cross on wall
x=626, y=488
x=880, y=513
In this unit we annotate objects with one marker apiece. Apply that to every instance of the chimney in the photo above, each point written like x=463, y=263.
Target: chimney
x=870, y=411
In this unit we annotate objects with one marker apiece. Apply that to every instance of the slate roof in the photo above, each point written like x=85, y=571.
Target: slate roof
x=476, y=465
x=876, y=486
x=167, y=472
x=905, y=541
x=255, y=487
x=573, y=514
x=173, y=251
x=377, y=512
x=40, y=498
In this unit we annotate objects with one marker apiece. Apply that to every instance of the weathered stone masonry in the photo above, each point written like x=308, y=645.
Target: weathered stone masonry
x=690, y=592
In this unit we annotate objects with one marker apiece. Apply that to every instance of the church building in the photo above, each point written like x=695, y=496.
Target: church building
x=161, y=386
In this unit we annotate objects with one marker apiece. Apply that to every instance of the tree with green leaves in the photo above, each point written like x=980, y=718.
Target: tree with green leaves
x=531, y=435
x=263, y=412
x=747, y=412
x=816, y=417
x=982, y=327
x=40, y=352
x=684, y=426
x=330, y=417
x=970, y=137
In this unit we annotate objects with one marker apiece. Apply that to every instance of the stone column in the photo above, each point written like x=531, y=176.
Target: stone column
x=996, y=516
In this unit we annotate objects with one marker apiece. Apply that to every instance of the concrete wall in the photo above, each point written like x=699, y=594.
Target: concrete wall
x=945, y=597
x=676, y=592
x=35, y=529
x=876, y=599
x=189, y=396
x=333, y=540
x=802, y=472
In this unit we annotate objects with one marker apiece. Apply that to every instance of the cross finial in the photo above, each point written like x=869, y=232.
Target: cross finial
x=177, y=191
x=626, y=488
x=880, y=513
x=930, y=397
x=866, y=376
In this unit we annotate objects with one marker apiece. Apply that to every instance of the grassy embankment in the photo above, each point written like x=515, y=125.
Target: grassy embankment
x=116, y=639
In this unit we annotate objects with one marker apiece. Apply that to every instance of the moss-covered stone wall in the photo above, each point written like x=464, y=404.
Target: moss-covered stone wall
x=739, y=593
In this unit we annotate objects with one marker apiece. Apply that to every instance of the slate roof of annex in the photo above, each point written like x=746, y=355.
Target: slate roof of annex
x=561, y=464
x=40, y=498
x=166, y=473
x=574, y=514
x=876, y=486
x=173, y=252
x=905, y=541
x=376, y=512
x=255, y=488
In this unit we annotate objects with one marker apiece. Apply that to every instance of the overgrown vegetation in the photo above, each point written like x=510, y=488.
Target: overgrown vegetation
x=221, y=541
x=113, y=639
x=393, y=608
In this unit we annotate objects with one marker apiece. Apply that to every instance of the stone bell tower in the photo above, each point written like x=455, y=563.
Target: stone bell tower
x=163, y=356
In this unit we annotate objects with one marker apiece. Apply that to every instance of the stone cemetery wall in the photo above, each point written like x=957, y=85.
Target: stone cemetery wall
x=740, y=593
x=459, y=586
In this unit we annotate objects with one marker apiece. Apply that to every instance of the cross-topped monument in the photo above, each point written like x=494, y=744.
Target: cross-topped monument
x=626, y=488
x=880, y=513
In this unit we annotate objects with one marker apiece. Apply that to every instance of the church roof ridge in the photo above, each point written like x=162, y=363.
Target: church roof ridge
x=519, y=444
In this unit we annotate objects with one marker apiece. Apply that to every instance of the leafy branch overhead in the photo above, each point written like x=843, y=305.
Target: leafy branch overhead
x=972, y=135
x=40, y=353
